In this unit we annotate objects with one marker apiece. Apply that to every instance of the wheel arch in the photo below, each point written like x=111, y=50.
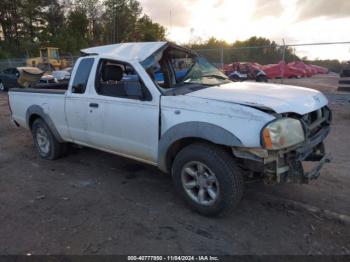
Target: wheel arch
x=35, y=112
x=184, y=134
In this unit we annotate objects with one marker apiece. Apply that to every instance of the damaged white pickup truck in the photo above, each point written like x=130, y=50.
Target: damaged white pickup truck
x=164, y=105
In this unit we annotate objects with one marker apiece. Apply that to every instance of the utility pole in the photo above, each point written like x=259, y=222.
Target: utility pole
x=283, y=60
x=222, y=57
x=114, y=23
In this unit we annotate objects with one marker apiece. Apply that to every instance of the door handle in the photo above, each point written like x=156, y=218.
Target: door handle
x=95, y=105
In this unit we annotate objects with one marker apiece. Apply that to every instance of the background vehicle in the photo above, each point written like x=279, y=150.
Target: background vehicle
x=320, y=69
x=208, y=132
x=241, y=71
x=62, y=75
x=308, y=69
x=19, y=77
x=8, y=79
x=48, y=79
x=25, y=77
x=49, y=60
x=238, y=76
x=283, y=70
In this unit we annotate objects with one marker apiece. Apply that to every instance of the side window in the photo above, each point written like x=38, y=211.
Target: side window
x=119, y=79
x=82, y=75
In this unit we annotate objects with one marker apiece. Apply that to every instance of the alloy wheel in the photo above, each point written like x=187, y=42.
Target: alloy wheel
x=200, y=183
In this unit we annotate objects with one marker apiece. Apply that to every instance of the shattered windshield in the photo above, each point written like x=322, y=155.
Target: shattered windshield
x=175, y=69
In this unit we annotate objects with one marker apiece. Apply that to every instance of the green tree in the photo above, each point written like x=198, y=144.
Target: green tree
x=54, y=16
x=74, y=35
x=11, y=22
x=121, y=17
x=146, y=30
x=93, y=11
x=213, y=49
x=254, y=49
x=33, y=20
x=72, y=24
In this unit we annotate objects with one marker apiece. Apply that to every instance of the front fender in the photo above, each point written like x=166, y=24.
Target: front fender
x=206, y=131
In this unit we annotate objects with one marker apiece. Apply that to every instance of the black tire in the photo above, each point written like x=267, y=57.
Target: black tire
x=223, y=165
x=3, y=88
x=55, y=149
x=261, y=79
x=235, y=78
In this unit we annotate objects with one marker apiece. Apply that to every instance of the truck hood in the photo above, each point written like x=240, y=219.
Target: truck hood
x=279, y=98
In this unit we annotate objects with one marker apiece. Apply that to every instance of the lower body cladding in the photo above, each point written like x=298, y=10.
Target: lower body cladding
x=286, y=165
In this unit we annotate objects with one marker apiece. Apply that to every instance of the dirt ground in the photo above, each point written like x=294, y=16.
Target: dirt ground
x=97, y=203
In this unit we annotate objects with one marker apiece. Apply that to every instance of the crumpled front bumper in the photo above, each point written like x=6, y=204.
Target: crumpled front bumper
x=286, y=165
x=290, y=162
x=316, y=171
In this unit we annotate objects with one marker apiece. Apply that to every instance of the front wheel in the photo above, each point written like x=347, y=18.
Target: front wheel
x=207, y=178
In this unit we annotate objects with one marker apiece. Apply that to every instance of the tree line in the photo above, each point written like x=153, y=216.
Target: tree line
x=256, y=49
x=72, y=25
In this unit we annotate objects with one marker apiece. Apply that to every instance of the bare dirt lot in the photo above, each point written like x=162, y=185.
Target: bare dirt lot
x=97, y=203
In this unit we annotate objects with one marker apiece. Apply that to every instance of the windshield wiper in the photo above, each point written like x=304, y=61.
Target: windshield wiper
x=216, y=76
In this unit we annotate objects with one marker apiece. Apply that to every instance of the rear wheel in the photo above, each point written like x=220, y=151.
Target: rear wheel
x=45, y=142
x=207, y=178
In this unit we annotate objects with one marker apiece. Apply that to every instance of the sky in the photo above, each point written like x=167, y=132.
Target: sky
x=295, y=21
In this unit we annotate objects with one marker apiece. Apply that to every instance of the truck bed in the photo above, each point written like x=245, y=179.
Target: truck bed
x=39, y=90
x=46, y=88
x=50, y=101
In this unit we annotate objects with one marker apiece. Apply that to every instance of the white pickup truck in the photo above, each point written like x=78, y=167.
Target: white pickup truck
x=166, y=106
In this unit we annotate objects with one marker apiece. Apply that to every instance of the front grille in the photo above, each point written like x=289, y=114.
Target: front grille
x=314, y=121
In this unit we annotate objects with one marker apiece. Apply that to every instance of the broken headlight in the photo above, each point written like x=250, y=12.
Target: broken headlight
x=282, y=133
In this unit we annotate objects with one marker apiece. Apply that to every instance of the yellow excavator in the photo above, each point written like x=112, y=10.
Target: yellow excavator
x=49, y=60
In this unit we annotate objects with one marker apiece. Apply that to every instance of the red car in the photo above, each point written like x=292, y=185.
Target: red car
x=310, y=70
x=241, y=66
x=283, y=70
x=320, y=69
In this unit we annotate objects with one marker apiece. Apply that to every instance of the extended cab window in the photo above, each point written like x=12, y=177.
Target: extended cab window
x=118, y=79
x=82, y=75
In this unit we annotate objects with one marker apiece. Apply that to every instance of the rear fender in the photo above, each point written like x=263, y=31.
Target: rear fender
x=39, y=111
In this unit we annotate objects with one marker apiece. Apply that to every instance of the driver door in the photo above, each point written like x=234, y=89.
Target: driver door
x=124, y=118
